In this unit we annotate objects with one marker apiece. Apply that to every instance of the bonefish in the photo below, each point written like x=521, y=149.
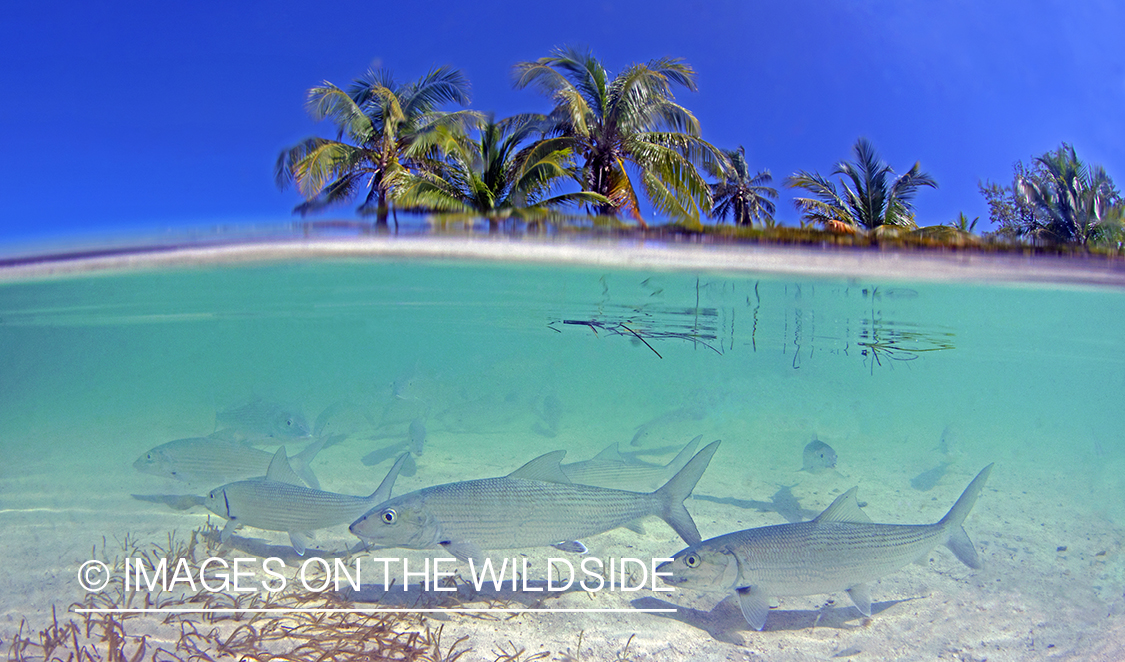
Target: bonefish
x=278, y=503
x=840, y=550
x=533, y=506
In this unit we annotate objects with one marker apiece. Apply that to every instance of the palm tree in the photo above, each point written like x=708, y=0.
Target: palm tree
x=1077, y=203
x=742, y=195
x=869, y=198
x=963, y=224
x=491, y=176
x=631, y=121
x=381, y=128
x=958, y=232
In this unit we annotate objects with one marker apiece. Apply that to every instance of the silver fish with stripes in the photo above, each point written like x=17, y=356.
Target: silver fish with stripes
x=840, y=550
x=610, y=468
x=536, y=505
x=263, y=421
x=277, y=503
x=210, y=460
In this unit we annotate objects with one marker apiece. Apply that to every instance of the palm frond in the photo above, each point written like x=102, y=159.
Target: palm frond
x=329, y=160
x=673, y=162
x=676, y=71
x=636, y=97
x=283, y=169
x=440, y=86
x=427, y=193
x=327, y=101
x=607, y=121
x=827, y=207
x=906, y=186
x=574, y=198
x=585, y=73
x=337, y=192
x=392, y=126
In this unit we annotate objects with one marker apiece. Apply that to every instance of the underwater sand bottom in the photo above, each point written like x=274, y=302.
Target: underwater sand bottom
x=1051, y=586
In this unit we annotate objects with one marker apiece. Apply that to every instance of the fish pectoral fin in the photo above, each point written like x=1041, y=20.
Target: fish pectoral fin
x=228, y=530
x=844, y=509
x=861, y=597
x=636, y=526
x=755, y=606
x=465, y=551
x=300, y=540
x=572, y=546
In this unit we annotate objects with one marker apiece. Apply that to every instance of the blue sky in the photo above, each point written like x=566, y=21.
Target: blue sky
x=142, y=115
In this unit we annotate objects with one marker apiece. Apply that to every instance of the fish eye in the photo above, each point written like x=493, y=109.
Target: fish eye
x=289, y=422
x=389, y=516
x=692, y=560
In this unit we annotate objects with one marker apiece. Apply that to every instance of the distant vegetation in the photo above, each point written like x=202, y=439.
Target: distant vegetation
x=1058, y=199
x=609, y=138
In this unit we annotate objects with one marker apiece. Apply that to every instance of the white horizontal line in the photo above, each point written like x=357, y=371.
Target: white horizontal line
x=296, y=610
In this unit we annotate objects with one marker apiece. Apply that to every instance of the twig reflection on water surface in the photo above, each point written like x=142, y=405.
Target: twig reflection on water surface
x=626, y=328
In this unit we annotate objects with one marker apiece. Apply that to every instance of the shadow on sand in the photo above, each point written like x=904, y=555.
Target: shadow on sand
x=725, y=623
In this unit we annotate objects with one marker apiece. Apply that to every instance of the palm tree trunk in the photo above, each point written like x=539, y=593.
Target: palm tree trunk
x=381, y=212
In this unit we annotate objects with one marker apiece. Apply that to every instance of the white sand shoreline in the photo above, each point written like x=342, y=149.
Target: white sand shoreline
x=828, y=262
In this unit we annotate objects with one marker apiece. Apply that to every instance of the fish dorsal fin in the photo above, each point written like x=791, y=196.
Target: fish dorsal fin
x=544, y=468
x=844, y=509
x=280, y=469
x=610, y=454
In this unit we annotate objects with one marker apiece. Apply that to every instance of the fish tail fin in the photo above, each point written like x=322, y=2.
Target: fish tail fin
x=301, y=461
x=676, y=490
x=958, y=541
x=684, y=456
x=383, y=492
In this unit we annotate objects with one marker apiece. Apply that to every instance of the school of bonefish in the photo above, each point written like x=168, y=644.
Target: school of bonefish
x=540, y=504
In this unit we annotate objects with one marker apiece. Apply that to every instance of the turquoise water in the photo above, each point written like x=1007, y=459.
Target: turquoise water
x=505, y=362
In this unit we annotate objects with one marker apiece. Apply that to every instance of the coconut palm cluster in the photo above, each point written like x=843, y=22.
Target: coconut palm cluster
x=610, y=142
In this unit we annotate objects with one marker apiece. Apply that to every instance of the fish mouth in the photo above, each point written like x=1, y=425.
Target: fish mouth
x=356, y=529
x=670, y=578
